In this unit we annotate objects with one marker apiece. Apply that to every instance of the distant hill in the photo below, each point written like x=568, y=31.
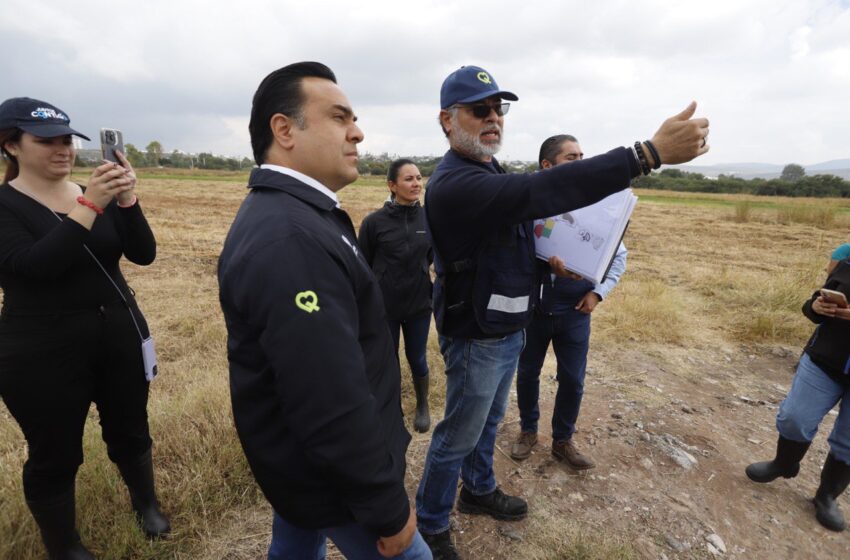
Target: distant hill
x=750, y=170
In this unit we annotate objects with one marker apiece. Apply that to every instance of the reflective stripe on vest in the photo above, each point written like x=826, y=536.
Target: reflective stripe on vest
x=508, y=304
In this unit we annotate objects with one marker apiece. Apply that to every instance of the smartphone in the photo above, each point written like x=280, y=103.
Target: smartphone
x=831, y=296
x=111, y=140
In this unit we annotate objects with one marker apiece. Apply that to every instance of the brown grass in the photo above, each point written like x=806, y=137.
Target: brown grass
x=743, y=211
x=821, y=216
x=556, y=538
x=695, y=279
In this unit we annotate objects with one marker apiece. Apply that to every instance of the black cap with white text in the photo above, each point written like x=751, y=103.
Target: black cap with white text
x=38, y=118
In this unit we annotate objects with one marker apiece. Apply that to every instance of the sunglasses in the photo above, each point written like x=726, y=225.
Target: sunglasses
x=482, y=110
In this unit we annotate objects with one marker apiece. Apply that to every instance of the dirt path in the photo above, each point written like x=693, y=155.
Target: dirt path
x=641, y=407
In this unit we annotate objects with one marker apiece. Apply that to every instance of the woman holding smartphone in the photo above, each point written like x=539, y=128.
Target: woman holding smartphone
x=70, y=330
x=822, y=381
x=396, y=246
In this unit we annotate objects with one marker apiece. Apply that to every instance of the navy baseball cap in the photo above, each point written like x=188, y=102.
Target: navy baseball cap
x=39, y=118
x=468, y=84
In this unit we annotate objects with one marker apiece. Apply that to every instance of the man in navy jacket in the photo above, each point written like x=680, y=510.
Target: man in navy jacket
x=479, y=219
x=314, y=378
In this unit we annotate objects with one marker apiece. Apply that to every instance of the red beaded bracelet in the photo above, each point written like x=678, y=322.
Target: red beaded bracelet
x=89, y=204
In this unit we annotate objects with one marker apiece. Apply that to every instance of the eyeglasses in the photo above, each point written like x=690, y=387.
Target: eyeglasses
x=482, y=110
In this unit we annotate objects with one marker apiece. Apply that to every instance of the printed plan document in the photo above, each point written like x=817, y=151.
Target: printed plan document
x=586, y=239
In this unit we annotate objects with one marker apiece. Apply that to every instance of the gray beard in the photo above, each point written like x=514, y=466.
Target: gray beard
x=471, y=144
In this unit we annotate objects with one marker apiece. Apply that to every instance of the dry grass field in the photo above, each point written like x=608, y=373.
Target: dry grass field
x=709, y=303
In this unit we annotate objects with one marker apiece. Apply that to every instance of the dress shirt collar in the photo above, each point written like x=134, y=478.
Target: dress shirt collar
x=307, y=180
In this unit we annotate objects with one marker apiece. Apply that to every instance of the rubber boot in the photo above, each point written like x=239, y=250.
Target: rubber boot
x=834, y=479
x=56, y=518
x=422, y=422
x=138, y=475
x=786, y=463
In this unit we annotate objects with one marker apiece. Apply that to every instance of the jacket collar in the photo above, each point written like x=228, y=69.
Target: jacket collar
x=394, y=207
x=270, y=179
x=455, y=157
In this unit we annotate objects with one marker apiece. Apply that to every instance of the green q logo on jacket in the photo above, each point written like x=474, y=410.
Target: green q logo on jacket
x=484, y=77
x=308, y=301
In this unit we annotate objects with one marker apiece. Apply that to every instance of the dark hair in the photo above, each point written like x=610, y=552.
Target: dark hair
x=395, y=167
x=10, y=135
x=281, y=92
x=551, y=146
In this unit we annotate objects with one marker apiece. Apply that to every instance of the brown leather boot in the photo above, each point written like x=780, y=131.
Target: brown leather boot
x=565, y=450
x=521, y=449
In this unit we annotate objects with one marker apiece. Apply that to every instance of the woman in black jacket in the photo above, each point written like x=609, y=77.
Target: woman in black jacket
x=396, y=246
x=821, y=382
x=70, y=330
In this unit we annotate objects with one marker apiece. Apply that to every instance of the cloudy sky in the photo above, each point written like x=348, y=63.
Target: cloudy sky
x=773, y=76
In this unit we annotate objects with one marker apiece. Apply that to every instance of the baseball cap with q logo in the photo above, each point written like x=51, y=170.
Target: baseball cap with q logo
x=468, y=84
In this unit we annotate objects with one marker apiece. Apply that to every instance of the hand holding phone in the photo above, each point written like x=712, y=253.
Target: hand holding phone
x=834, y=297
x=110, y=141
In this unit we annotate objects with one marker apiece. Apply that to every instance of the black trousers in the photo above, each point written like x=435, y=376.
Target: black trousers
x=52, y=368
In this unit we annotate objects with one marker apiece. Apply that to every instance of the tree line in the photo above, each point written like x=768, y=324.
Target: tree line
x=792, y=182
x=154, y=156
x=378, y=165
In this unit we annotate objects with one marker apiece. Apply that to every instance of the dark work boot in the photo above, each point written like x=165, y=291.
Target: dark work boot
x=496, y=504
x=138, y=475
x=441, y=546
x=834, y=479
x=422, y=422
x=56, y=520
x=786, y=463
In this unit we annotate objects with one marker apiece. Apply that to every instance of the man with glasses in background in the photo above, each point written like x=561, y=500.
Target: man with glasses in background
x=480, y=222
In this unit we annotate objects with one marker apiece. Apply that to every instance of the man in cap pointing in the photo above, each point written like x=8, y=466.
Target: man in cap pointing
x=479, y=218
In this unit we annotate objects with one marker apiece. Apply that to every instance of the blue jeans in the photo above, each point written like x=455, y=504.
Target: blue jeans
x=813, y=394
x=415, y=331
x=569, y=334
x=355, y=543
x=478, y=382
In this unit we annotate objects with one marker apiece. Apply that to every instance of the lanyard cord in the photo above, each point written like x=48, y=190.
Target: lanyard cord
x=117, y=289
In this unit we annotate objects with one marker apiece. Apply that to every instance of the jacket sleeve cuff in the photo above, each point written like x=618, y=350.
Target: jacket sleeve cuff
x=634, y=167
x=397, y=522
x=810, y=313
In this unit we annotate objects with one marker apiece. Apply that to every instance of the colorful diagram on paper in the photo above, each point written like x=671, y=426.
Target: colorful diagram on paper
x=544, y=229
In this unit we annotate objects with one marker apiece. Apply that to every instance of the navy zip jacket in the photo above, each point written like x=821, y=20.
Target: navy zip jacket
x=314, y=376
x=829, y=346
x=467, y=201
x=394, y=242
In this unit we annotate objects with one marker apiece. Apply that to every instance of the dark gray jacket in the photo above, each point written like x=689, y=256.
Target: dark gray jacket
x=829, y=346
x=394, y=241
